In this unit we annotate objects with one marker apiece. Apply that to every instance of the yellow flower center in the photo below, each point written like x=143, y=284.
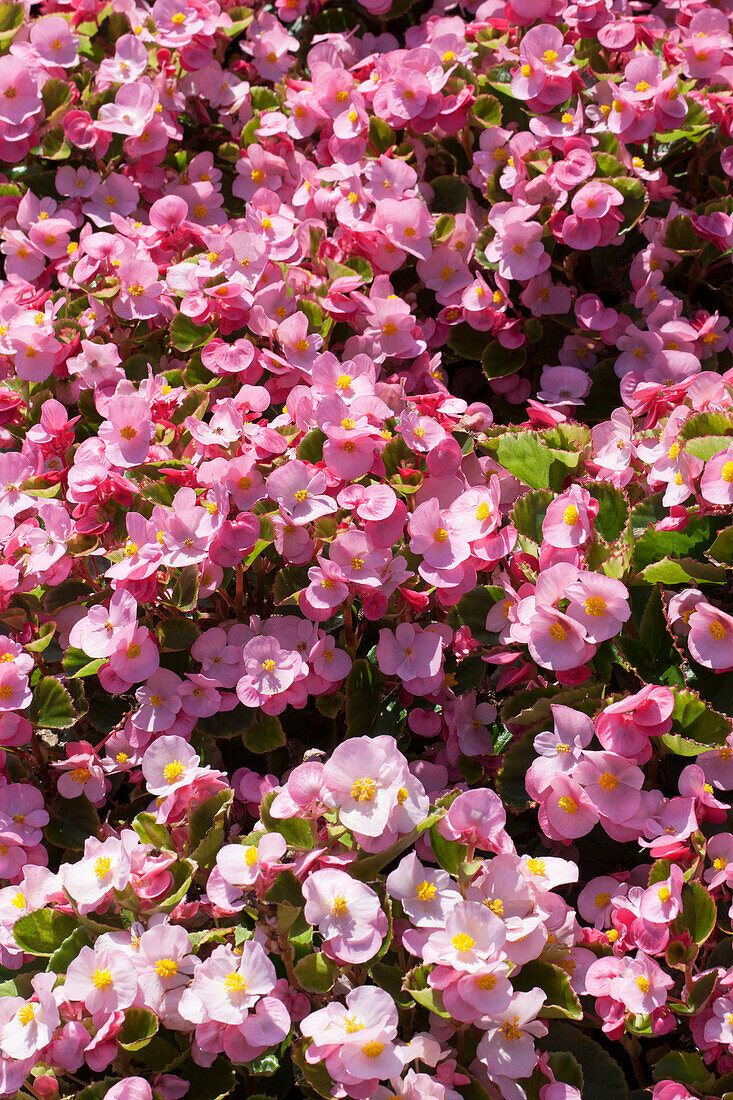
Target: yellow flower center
x=557, y=632
x=102, y=866
x=363, y=790
x=608, y=782
x=595, y=606
x=462, y=942
x=426, y=891
x=101, y=979
x=570, y=515
x=235, y=983
x=173, y=771
x=339, y=906
x=166, y=968
x=373, y=1048
x=567, y=804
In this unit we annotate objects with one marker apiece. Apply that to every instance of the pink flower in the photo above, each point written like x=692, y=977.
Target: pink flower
x=566, y=811
x=127, y=431
x=169, y=763
x=347, y=913
x=642, y=985
x=662, y=901
x=569, y=518
x=410, y=653
x=716, y=483
x=33, y=1022
x=300, y=492
x=477, y=818
x=104, y=980
x=507, y=1047
x=362, y=779
x=269, y=673
x=611, y=783
x=437, y=536
x=711, y=637
x=599, y=604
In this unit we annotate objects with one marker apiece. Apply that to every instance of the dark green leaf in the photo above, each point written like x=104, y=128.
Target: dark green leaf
x=561, y=1000
x=185, y=334
x=265, y=735
x=43, y=932
x=364, y=686
x=138, y=1029
x=316, y=972
x=51, y=707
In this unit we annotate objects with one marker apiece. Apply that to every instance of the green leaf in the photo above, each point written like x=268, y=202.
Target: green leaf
x=696, y=727
x=72, y=826
x=51, y=707
x=177, y=634
x=214, y=1082
x=182, y=871
x=635, y=199
x=207, y=827
x=287, y=890
x=138, y=1029
x=296, y=831
x=367, y=868
x=603, y=1078
x=55, y=93
x=682, y=571
x=528, y=513
x=11, y=20
x=652, y=546
x=561, y=1000
x=472, y=609
x=525, y=456
x=499, y=362
x=613, y=510
x=450, y=195
x=701, y=991
x=310, y=448
x=228, y=723
x=722, y=549
x=316, y=973
x=43, y=932
x=265, y=735
x=69, y=949
x=449, y=853
x=263, y=98
x=467, y=342
x=698, y=915
x=681, y=1066
x=364, y=687
x=381, y=135
x=707, y=423
x=97, y=1090
x=705, y=446
x=185, y=594
x=150, y=832
x=289, y=581
x=567, y=1069
x=486, y=109
x=185, y=334
x=43, y=640
x=76, y=663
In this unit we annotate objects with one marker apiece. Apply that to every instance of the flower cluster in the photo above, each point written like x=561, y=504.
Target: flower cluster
x=366, y=543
